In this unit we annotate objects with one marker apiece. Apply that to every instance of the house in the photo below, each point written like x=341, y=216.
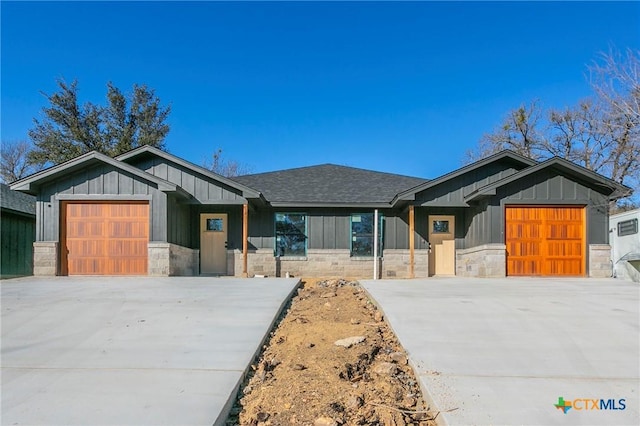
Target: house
x=149, y=212
x=17, y=232
x=625, y=245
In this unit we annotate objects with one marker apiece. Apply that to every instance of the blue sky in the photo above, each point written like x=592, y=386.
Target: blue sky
x=404, y=88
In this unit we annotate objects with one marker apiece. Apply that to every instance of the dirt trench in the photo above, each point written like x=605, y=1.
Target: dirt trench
x=331, y=360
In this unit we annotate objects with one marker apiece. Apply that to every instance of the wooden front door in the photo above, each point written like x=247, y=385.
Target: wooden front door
x=213, y=243
x=105, y=238
x=442, y=256
x=545, y=240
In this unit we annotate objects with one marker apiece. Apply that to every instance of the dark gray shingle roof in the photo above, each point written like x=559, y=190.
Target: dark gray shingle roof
x=329, y=184
x=14, y=200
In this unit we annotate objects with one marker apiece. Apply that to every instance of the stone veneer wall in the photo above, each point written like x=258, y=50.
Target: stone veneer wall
x=600, y=261
x=395, y=263
x=327, y=263
x=45, y=258
x=484, y=261
x=166, y=259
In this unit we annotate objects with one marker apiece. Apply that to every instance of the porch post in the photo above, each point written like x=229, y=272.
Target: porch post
x=245, y=238
x=375, y=244
x=412, y=227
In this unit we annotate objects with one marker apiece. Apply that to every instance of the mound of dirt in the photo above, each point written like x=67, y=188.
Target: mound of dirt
x=332, y=360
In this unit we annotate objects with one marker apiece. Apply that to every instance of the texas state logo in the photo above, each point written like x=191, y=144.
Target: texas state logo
x=563, y=405
x=586, y=404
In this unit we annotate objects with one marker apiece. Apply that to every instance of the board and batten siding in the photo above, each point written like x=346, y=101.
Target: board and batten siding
x=179, y=223
x=328, y=229
x=422, y=224
x=99, y=182
x=204, y=189
x=549, y=188
x=234, y=225
x=18, y=232
x=451, y=193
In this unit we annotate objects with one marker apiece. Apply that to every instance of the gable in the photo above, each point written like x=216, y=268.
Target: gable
x=204, y=185
x=97, y=178
x=202, y=188
x=451, y=189
x=554, y=179
x=32, y=184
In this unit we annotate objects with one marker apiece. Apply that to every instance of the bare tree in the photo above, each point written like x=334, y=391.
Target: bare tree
x=578, y=134
x=15, y=164
x=601, y=133
x=520, y=132
x=615, y=79
x=226, y=168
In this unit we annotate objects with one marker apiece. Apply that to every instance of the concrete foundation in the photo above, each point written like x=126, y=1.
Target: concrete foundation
x=45, y=258
x=485, y=261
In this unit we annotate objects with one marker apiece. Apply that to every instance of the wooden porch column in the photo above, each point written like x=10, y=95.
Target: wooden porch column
x=245, y=239
x=412, y=227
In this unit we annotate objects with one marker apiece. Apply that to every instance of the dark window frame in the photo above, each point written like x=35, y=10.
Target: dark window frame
x=367, y=249
x=284, y=240
x=627, y=227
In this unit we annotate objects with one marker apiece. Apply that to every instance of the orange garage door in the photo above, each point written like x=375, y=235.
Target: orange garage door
x=105, y=238
x=545, y=240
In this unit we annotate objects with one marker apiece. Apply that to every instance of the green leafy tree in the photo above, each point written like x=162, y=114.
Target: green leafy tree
x=68, y=129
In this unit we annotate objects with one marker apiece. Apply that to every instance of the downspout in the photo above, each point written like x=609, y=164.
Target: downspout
x=375, y=244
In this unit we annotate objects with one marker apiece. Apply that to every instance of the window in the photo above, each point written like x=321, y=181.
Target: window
x=362, y=234
x=440, y=227
x=628, y=227
x=291, y=234
x=215, y=225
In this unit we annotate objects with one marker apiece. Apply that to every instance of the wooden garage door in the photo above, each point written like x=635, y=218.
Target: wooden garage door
x=545, y=240
x=105, y=238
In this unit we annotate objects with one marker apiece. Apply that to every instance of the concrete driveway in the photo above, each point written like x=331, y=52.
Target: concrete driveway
x=131, y=351
x=502, y=352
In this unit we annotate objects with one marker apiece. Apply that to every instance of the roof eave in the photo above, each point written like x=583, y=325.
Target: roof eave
x=30, y=184
x=454, y=174
x=314, y=204
x=617, y=190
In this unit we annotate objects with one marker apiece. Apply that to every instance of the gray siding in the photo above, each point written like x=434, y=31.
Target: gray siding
x=18, y=234
x=451, y=193
x=329, y=230
x=178, y=223
x=326, y=228
x=477, y=220
x=422, y=224
x=234, y=224
x=261, y=229
x=100, y=182
x=396, y=230
x=204, y=189
x=486, y=222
